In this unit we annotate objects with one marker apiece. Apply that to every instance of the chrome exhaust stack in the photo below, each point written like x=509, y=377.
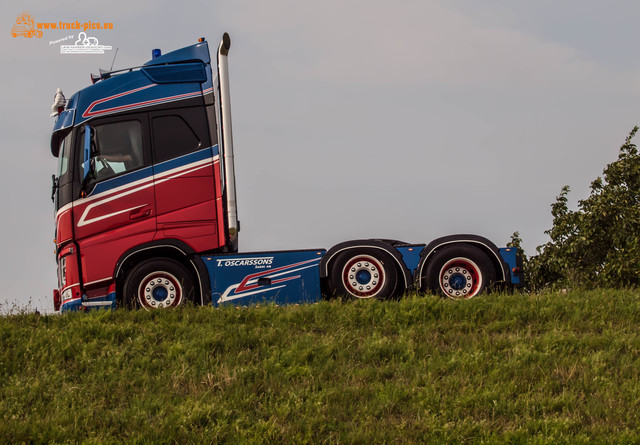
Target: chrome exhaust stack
x=229, y=181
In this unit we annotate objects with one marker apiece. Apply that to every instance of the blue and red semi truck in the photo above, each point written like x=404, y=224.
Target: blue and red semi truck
x=146, y=215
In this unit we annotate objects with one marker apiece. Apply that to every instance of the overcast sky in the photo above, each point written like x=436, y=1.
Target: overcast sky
x=407, y=119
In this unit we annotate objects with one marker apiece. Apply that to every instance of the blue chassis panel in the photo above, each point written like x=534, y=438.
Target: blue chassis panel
x=286, y=277
x=509, y=255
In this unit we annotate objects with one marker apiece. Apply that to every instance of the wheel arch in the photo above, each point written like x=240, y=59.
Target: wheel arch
x=480, y=242
x=173, y=249
x=385, y=245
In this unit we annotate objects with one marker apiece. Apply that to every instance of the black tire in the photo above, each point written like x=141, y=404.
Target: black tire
x=158, y=284
x=364, y=273
x=459, y=272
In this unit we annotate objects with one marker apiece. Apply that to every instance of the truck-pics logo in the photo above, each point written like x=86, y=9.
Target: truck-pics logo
x=84, y=45
x=25, y=26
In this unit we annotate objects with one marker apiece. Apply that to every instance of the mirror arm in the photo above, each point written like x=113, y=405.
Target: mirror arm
x=54, y=187
x=86, y=164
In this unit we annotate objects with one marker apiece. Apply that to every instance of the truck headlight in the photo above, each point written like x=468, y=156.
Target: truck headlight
x=66, y=295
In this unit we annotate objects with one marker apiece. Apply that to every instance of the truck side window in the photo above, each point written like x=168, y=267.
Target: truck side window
x=119, y=148
x=174, y=137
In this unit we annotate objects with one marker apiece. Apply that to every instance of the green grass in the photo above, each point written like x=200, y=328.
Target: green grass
x=549, y=368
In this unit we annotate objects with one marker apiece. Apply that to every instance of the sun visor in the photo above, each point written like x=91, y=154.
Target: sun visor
x=178, y=73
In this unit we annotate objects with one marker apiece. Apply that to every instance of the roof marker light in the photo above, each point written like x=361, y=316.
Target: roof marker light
x=201, y=39
x=155, y=53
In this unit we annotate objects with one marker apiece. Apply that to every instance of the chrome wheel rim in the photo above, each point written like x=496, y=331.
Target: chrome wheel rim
x=159, y=290
x=363, y=276
x=460, y=279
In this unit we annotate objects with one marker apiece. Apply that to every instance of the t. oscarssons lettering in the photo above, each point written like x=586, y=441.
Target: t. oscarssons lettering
x=246, y=262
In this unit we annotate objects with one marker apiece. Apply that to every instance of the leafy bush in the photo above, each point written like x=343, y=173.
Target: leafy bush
x=597, y=245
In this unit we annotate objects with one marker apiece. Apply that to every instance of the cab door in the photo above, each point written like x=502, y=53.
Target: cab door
x=118, y=209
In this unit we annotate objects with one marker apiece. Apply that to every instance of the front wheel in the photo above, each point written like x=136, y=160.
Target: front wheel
x=158, y=284
x=459, y=272
x=364, y=273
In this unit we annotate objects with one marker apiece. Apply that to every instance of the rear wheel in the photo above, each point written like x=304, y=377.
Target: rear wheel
x=459, y=272
x=158, y=284
x=364, y=273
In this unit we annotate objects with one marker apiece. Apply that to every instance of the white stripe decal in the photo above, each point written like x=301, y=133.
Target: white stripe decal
x=181, y=171
x=85, y=222
x=98, y=281
x=149, y=179
x=215, y=159
x=226, y=297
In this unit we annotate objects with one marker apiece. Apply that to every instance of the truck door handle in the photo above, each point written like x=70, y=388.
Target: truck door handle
x=139, y=213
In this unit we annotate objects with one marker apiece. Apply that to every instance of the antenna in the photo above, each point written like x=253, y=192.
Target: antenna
x=114, y=59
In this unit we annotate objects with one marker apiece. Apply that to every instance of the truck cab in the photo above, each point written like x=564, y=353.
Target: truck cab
x=140, y=175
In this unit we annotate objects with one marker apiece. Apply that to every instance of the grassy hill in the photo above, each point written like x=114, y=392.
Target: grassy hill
x=546, y=368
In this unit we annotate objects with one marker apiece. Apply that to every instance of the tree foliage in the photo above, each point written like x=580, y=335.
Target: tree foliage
x=597, y=245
